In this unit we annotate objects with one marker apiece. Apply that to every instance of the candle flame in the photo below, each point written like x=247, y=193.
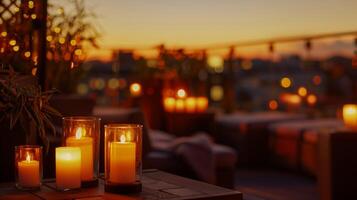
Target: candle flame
x=122, y=138
x=28, y=157
x=80, y=132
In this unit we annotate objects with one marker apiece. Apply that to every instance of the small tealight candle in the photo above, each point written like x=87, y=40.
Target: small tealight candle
x=68, y=168
x=29, y=168
x=350, y=116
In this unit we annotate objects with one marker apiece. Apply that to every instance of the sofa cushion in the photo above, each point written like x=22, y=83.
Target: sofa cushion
x=225, y=157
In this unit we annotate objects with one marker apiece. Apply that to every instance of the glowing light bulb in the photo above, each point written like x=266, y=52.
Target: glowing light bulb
x=181, y=93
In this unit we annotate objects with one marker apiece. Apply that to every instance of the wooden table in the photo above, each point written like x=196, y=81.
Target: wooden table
x=156, y=185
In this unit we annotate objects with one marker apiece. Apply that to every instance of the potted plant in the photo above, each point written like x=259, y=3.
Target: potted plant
x=25, y=117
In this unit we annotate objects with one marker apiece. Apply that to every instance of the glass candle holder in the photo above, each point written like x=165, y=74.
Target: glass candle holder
x=28, y=163
x=84, y=132
x=123, y=164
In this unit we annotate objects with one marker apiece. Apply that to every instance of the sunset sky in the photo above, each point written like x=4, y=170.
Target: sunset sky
x=197, y=23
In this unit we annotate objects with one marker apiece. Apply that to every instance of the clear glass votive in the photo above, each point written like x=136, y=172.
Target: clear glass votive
x=84, y=132
x=123, y=152
x=28, y=163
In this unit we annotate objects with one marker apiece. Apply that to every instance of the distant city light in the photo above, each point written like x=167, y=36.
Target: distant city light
x=12, y=42
x=135, y=89
x=216, y=93
x=181, y=93
x=34, y=71
x=285, y=82
x=82, y=88
x=216, y=63
x=311, y=99
x=316, y=80
x=273, y=105
x=113, y=83
x=302, y=91
x=246, y=65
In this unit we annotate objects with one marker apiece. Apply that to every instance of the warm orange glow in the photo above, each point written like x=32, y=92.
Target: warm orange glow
x=12, y=42
x=27, y=54
x=311, y=99
x=180, y=105
x=285, y=82
x=350, y=115
x=202, y=104
x=169, y=104
x=302, y=91
x=122, y=138
x=80, y=132
x=190, y=104
x=135, y=89
x=273, y=105
x=4, y=33
x=28, y=157
x=181, y=93
x=292, y=99
x=316, y=80
x=34, y=71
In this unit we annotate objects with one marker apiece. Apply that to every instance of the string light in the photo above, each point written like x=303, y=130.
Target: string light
x=57, y=29
x=16, y=48
x=49, y=38
x=73, y=42
x=33, y=16
x=31, y=4
x=78, y=52
x=4, y=33
x=12, y=42
x=27, y=54
x=302, y=91
x=62, y=40
x=285, y=82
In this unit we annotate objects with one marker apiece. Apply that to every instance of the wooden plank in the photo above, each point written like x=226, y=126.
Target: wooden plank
x=9, y=192
x=156, y=185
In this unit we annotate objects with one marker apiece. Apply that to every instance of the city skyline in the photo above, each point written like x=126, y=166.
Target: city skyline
x=136, y=24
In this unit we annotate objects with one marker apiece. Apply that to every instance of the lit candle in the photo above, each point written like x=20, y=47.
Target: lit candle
x=180, y=105
x=86, y=145
x=135, y=89
x=190, y=104
x=350, y=115
x=122, y=161
x=169, y=104
x=68, y=167
x=202, y=104
x=29, y=172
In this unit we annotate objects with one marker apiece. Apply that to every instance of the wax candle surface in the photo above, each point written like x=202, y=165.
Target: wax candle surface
x=122, y=161
x=350, y=115
x=202, y=104
x=180, y=105
x=169, y=104
x=86, y=146
x=190, y=104
x=68, y=167
x=29, y=172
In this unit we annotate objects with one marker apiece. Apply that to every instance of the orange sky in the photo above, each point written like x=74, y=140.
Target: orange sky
x=197, y=23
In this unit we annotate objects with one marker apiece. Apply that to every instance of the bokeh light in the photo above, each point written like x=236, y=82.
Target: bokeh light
x=216, y=93
x=285, y=82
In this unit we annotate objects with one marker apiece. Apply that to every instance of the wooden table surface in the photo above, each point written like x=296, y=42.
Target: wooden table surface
x=156, y=185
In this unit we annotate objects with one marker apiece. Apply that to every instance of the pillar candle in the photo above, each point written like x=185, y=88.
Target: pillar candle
x=86, y=146
x=180, y=105
x=190, y=104
x=68, y=167
x=122, y=161
x=29, y=172
x=350, y=115
x=202, y=104
x=169, y=104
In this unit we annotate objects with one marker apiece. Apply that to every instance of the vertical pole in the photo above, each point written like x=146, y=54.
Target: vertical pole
x=42, y=44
